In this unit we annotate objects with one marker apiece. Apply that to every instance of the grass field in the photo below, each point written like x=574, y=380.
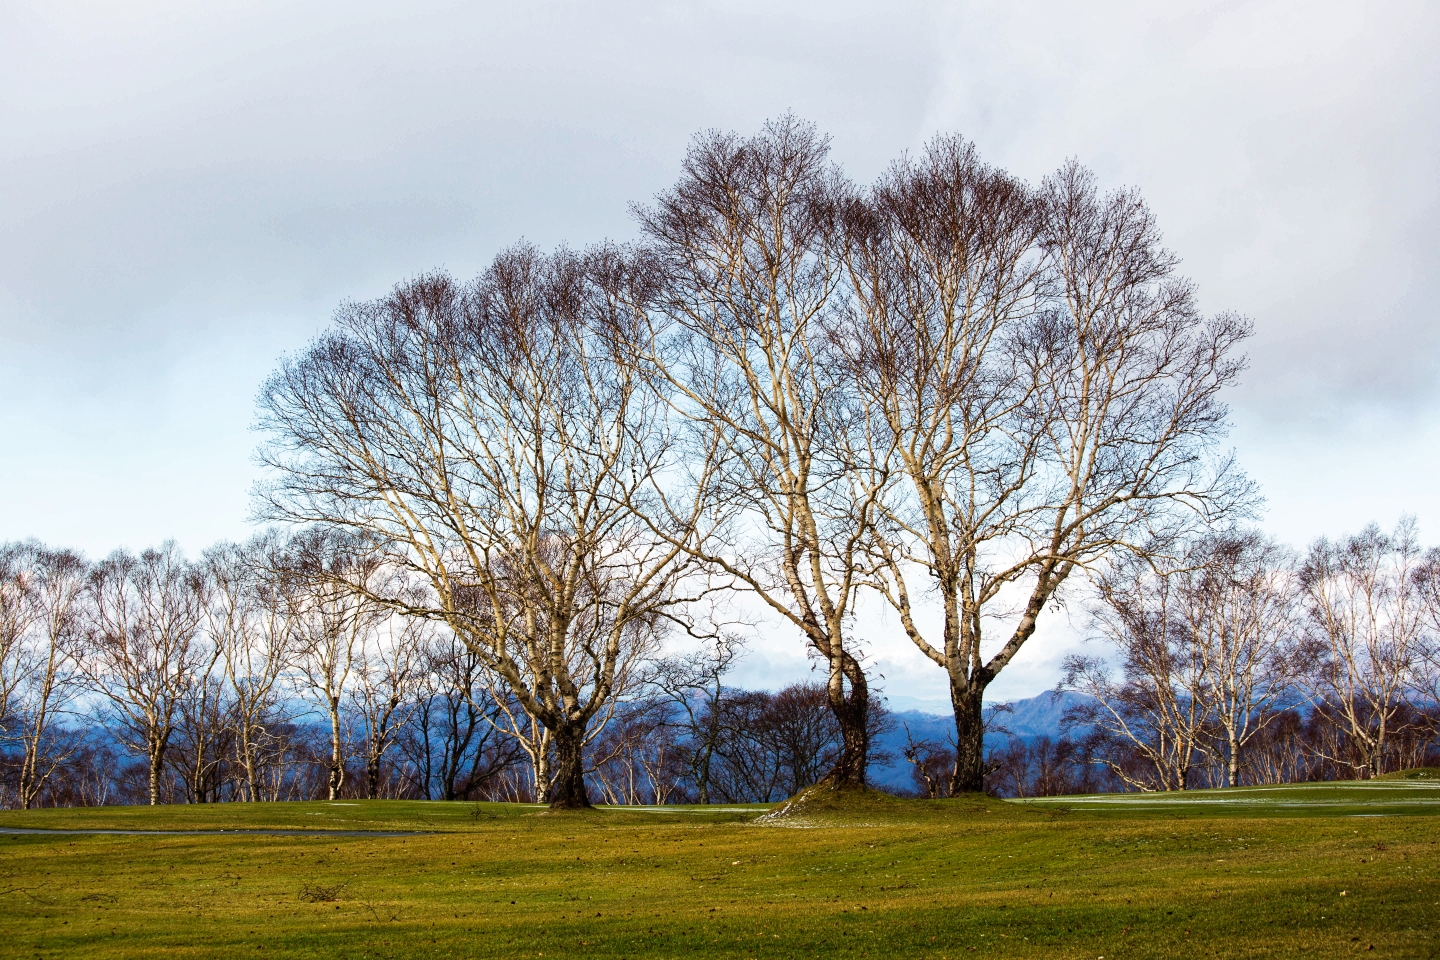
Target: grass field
x=1312, y=871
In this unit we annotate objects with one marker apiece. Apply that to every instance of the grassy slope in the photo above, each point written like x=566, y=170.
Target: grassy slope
x=875, y=877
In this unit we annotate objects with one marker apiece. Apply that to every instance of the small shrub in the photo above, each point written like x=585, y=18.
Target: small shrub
x=321, y=892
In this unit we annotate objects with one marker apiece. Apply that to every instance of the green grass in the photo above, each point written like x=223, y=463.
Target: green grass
x=1415, y=773
x=844, y=877
x=1389, y=796
x=347, y=815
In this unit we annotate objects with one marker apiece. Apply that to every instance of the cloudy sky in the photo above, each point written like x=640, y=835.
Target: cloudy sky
x=187, y=191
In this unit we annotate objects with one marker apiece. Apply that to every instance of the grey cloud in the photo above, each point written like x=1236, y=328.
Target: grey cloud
x=188, y=190
x=1288, y=149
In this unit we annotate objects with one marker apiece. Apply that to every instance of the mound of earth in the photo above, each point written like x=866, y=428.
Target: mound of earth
x=825, y=806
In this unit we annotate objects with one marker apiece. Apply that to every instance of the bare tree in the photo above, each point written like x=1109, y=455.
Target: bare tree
x=695, y=684
x=1238, y=608
x=18, y=611
x=1209, y=651
x=246, y=620
x=328, y=579
x=1148, y=725
x=747, y=767
x=50, y=586
x=1040, y=768
x=1426, y=674
x=804, y=736
x=386, y=678
x=143, y=647
x=637, y=758
x=496, y=441
x=203, y=727
x=453, y=741
x=1045, y=389
x=933, y=763
x=746, y=243
x=1365, y=610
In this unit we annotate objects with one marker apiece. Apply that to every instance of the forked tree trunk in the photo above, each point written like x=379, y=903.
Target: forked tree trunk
x=851, y=712
x=28, y=789
x=567, y=790
x=30, y=779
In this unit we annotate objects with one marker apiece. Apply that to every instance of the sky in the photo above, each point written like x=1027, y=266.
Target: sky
x=187, y=191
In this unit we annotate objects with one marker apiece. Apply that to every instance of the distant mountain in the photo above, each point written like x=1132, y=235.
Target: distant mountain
x=1038, y=716
x=1027, y=720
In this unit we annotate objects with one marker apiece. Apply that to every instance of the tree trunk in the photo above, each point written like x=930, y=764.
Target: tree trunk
x=247, y=761
x=337, y=761
x=197, y=776
x=540, y=761
x=157, y=766
x=969, y=740
x=567, y=791
x=372, y=773
x=29, y=789
x=1232, y=773
x=851, y=712
x=702, y=775
x=1377, y=757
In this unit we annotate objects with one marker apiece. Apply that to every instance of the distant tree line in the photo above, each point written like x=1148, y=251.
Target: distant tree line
x=964, y=397
x=246, y=675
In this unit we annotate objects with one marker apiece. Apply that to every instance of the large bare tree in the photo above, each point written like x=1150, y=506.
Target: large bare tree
x=495, y=441
x=1045, y=393
x=745, y=245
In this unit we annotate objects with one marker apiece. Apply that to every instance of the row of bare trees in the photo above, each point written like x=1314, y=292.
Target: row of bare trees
x=951, y=391
x=205, y=668
x=1220, y=645
x=245, y=676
